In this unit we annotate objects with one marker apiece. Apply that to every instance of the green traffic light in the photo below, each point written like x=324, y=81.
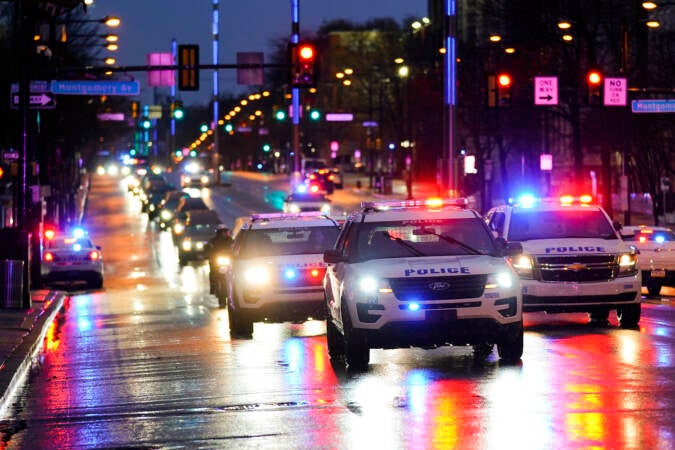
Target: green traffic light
x=314, y=114
x=178, y=114
x=204, y=128
x=146, y=124
x=266, y=148
x=280, y=115
x=229, y=127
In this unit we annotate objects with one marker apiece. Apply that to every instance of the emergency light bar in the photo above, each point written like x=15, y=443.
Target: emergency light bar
x=268, y=216
x=528, y=200
x=430, y=202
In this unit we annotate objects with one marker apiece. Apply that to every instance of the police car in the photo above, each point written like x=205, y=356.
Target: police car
x=71, y=259
x=656, y=259
x=277, y=269
x=423, y=274
x=573, y=258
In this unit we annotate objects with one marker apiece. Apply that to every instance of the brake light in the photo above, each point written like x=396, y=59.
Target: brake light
x=94, y=255
x=314, y=188
x=49, y=234
x=48, y=257
x=331, y=177
x=312, y=177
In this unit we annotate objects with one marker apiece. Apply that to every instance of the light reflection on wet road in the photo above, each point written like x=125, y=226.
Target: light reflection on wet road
x=148, y=363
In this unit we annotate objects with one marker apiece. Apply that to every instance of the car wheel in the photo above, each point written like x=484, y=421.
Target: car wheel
x=240, y=324
x=654, y=289
x=97, y=283
x=356, y=351
x=629, y=315
x=336, y=344
x=510, y=346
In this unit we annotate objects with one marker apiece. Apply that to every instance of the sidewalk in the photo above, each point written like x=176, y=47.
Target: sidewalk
x=22, y=332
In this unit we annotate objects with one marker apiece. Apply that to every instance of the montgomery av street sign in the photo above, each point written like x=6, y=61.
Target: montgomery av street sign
x=662, y=105
x=80, y=87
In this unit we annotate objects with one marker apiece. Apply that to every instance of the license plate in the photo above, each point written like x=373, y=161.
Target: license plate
x=441, y=315
x=658, y=273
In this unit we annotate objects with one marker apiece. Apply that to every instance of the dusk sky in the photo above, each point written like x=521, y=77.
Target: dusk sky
x=245, y=26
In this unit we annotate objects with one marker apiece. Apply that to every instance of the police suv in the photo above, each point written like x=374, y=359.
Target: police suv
x=573, y=258
x=423, y=274
x=277, y=269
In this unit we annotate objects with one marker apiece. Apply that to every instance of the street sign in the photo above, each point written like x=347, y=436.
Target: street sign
x=10, y=155
x=339, y=117
x=154, y=112
x=615, y=91
x=79, y=87
x=661, y=105
x=35, y=86
x=545, y=91
x=41, y=100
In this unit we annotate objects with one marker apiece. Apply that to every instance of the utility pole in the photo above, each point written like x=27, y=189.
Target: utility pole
x=450, y=91
x=295, y=105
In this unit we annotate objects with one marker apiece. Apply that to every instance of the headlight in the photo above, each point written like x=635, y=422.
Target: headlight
x=501, y=280
x=372, y=285
x=325, y=209
x=627, y=264
x=222, y=260
x=187, y=245
x=257, y=275
x=200, y=246
x=205, y=179
x=523, y=266
x=293, y=208
x=166, y=214
x=178, y=228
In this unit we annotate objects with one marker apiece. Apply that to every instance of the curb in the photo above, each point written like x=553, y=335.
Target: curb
x=15, y=370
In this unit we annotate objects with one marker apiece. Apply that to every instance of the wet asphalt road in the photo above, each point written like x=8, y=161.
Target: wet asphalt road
x=148, y=363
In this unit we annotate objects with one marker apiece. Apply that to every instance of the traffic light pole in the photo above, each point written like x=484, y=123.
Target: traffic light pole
x=450, y=91
x=295, y=38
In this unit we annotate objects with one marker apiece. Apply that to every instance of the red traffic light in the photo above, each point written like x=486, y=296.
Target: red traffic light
x=305, y=52
x=594, y=77
x=504, y=80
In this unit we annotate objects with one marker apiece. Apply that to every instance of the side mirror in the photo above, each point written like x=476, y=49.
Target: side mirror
x=333, y=256
x=514, y=248
x=617, y=226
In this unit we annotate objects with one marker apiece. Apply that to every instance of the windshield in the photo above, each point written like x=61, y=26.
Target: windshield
x=287, y=241
x=556, y=224
x=413, y=238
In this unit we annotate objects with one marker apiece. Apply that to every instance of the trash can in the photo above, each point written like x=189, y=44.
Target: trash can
x=11, y=283
x=387, y=185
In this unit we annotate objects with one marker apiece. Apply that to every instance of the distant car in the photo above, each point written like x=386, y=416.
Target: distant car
x=153, y=194
x=656, y=259
x=72, y=259
x=323, y=179
x=200, y=226
x=185, y=204
x=196, y=175
x=167, y=208
x=307, y=202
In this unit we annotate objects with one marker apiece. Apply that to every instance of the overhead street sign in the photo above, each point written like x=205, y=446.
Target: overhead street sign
x=35, y=86
x=615, y=91
x=545, y=91
x=661, y=105
x=40, y=100
x=79, y=87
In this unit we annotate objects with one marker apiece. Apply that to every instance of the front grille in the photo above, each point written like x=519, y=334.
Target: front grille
x=438, y=288
x=577, y=268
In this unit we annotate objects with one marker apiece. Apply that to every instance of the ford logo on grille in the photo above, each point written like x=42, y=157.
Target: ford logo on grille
x=439, y=286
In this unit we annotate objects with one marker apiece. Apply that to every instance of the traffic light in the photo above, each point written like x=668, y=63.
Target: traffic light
x=188, y=71
x=229, y=128
x=203, y=128
x=177, y=110
x=303, y=65
x=279, y=113
x=314, y=114
x=594, y=82
x=146, y=123
x=503, y=90
x=266, y=148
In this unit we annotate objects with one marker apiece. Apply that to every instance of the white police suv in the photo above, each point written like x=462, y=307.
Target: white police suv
x=573, y=258
x=423, y=274
x=277, y=269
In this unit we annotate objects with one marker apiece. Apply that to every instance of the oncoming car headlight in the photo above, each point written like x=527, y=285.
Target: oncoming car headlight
x=257, y=275
x=187, y=245
x=166, y=214
x=499, y=280
x=627, y=264
x=523, y=266
x=178, y=228
x=372, y=285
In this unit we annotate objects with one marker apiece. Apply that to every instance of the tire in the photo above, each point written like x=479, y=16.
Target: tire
x=629, y=315
x=510, y=346
x=240, y=325
x=356, y=351
x=335, y=341
x=654, y=289
x=97, y=283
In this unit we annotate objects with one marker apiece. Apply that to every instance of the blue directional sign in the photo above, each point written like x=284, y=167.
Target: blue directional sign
x=78, y=87
x=660, y=105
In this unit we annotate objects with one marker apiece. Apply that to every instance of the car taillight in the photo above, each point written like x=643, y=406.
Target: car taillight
x=94, y=255
x=49, y=234
x=331, y=177
x=314, y=188
x=48, y=257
